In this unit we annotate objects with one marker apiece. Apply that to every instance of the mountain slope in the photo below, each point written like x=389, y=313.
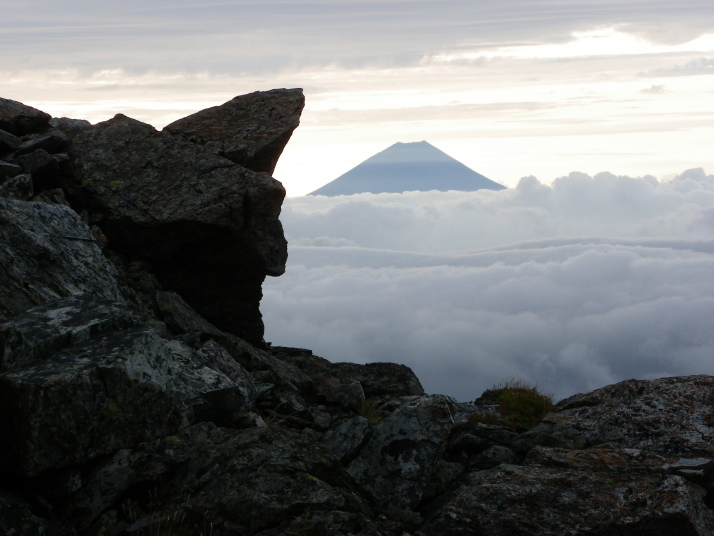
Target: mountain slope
x=407, y=167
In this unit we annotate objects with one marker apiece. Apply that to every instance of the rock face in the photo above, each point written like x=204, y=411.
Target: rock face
x=137, y=396
x=250, y=130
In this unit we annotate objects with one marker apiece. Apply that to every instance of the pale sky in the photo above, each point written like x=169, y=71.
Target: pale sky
x=510, y=88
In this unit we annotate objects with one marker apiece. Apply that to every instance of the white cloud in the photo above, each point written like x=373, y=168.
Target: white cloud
x=574, y=285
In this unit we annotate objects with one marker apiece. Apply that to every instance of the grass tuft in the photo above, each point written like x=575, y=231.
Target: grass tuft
x=521, y=404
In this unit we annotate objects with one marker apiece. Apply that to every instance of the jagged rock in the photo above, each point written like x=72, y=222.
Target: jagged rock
x=697, y=470
x=376, y=379
x=19, y=119
x=119, y=382
x=346, y=440
x=219, y=388
x=251, y=130
x=17, y=517
x=276, y=371
x=349, y=396
x=43, y=330
x=264, y=481
x=182, y=318
x=18, y=187
x=209, y=227
x=400, y=457
x=44, y=167
x=88, y=401
x=631, y=414
x=9, y=170
x=540, y=501
x=48, y=253
x=69, y=126
x=54, y=142
x=8, y=142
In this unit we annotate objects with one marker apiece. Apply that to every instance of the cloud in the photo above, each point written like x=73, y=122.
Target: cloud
x=575, y=285
x=696, y=67
x=216, y=36
x=654, y=90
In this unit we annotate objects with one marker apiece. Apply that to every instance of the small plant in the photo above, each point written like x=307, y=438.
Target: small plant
x=520, y=403
x=370, y=410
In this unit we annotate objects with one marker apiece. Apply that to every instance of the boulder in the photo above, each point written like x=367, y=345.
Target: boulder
x=540, y=501
x=88, y=401
x=53, y=142
x=18, y=187
x=251, y=130
x=671, y=416
x=261, y=481
x=8, y=142
x=8, y=170
x=209, y=227
x=398, y=460
x=48, y=253
x=20, y=119
x=83, y=378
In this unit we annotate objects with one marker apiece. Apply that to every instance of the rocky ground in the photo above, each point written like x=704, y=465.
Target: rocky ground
x=137, y=395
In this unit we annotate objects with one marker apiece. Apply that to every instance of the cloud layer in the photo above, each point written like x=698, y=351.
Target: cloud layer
x=575, y=285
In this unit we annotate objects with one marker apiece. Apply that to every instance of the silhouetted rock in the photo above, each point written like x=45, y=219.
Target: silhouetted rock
x=251, y=130
x=19, y=119
x=209, y=227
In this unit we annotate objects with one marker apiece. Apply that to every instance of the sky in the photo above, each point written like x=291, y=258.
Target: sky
x=595, y=265
x=511, y=88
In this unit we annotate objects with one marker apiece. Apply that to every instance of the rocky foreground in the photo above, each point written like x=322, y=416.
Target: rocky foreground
x=137, y=395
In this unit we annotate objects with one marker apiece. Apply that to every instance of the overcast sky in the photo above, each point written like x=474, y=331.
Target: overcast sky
x=510, y=88
x=573, y=286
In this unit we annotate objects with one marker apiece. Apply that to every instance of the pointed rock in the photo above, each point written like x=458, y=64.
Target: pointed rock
x=251, y=130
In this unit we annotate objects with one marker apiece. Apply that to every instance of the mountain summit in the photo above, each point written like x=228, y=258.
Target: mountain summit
x=405, y=167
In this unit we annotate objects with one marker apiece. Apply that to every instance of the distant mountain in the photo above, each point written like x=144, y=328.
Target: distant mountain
x=405, y=167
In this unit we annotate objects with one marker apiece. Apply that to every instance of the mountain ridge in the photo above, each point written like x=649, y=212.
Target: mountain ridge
x=404, y=167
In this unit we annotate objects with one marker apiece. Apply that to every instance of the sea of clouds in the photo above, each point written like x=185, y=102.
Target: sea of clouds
x=573, y=285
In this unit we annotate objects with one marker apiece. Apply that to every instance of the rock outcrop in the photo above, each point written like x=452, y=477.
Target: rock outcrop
x=138, y=397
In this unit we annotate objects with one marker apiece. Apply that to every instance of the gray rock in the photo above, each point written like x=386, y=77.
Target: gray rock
x=346, y=440
x=209, y=227
x=495, y=455
x=8, y=142
x=88, y=401
x=20, y=119
x=9, y=170
x=54, y=142
x=540, y=501
x=218, y=387
x=273, y=369
x=19, y=187
x=36, y=334
x=262, y=481
x=182, y=318
x=43, y=167
x=350, y=396
x=400, y=457
x=48, y=253
x=251, y=130
x=670, y=416
x=69, y=126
